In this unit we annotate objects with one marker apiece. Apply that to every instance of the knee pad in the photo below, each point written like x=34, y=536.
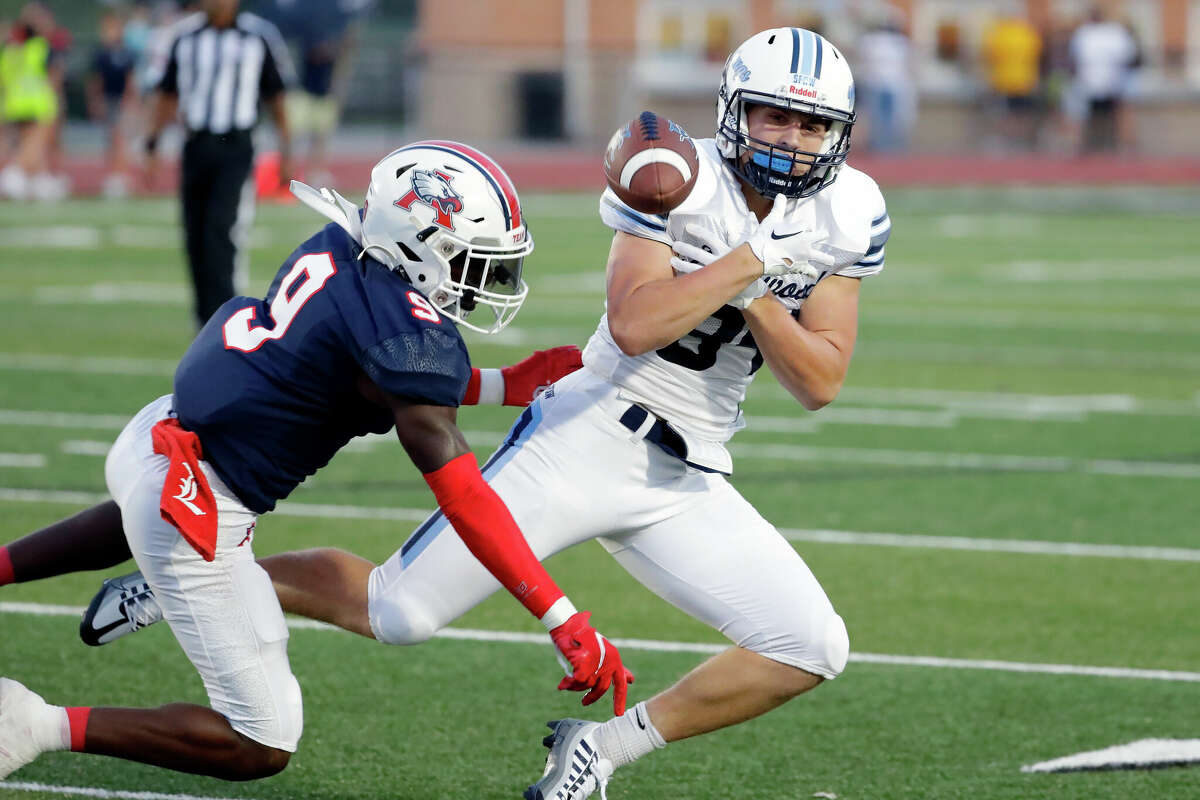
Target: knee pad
x=837, y=645
x=399, y=618
x=819, y=645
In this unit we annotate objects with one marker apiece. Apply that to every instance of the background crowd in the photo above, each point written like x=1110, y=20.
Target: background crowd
x=51, y=73
x=1060, y=84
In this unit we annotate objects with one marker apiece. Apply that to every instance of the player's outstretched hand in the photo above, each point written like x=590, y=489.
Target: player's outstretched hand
x=692, y=257
x=594, y=661
x=525, y=379
x=787, y=247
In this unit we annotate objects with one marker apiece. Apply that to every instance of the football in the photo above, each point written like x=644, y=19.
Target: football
x=651, y=163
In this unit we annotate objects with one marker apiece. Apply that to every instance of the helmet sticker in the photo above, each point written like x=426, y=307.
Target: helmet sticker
x=433, y=188
x=740, y=70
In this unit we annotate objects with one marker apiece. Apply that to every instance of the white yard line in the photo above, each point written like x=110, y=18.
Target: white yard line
x=1031, y=547
x=1003, y=404
x=84, y=447
x=23, y=460
x=290, y=508
x=106, y=794
x=103, y=293
x=1006, y=405
x=1010, y=405
x=93, y=237
x=1007, y=318
x=89, y=364
x=1028, y=355
x=663, y=646
x=986, y=462
x=61, y=419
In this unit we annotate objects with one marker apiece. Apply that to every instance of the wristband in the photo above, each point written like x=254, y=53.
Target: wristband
x=491, y=387
x=485, y=387
x=562, y=610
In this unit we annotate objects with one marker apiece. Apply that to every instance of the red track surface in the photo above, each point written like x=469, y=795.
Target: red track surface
x=572, y=170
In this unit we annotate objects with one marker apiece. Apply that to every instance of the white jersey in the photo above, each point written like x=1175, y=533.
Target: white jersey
x=698, y=383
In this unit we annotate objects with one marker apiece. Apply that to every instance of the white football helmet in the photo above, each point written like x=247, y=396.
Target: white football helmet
x=447, y=217
x=789, y=68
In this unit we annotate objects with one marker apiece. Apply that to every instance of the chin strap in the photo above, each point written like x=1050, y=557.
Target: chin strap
x=329, y=203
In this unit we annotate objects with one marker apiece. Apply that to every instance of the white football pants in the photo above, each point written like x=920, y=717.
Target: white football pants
x=224, y=613
x=570, y=471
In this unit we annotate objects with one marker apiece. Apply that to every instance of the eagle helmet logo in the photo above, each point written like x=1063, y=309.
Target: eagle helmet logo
x=433, y=188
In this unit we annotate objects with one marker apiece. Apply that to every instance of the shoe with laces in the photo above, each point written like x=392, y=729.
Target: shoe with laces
x=574, y=769
x=123, y=605
x=28, y=726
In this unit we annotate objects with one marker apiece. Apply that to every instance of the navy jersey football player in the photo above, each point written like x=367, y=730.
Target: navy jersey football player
x=357, y=334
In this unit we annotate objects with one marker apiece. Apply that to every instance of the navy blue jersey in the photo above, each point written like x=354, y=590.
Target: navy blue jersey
x=270, y=385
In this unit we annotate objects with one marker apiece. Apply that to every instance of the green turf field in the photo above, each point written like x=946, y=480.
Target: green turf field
x=1010, y=479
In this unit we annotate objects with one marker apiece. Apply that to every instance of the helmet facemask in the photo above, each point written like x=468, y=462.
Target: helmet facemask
x=771, y=168
x=479, y=278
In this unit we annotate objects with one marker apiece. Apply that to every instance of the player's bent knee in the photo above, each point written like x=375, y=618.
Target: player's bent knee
x=837, y=644
x=400, y=619
x=257, y=761
x=820, y=647
x=275, y=762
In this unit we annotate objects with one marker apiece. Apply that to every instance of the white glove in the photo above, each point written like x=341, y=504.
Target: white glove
x=786, y=247
x=692, y=258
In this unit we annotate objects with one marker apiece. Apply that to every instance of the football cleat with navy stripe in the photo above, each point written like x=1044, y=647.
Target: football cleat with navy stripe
x=123, y=605
x=574, y=769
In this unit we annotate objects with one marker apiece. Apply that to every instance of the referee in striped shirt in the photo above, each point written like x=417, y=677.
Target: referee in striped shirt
x=220, y=65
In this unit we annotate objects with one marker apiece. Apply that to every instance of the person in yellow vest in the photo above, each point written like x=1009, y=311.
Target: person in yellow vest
x=29, y=103
x=1012, y=54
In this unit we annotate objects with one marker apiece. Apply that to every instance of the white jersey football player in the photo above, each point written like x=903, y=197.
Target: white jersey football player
x=760, y=264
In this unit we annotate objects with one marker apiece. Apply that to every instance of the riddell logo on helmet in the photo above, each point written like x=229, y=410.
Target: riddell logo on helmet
x=432, y=187
x=802, y=91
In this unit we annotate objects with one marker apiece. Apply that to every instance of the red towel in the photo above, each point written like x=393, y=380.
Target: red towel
x=187, y=499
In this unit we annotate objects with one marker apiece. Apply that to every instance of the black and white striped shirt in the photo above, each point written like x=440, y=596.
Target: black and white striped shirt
x=220, y=74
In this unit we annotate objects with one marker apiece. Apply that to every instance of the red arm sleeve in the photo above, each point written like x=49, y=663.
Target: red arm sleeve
x=485, y=525
x=471, y=398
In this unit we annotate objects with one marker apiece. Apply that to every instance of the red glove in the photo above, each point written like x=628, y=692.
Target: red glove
x=523, y=380
x=595, y=662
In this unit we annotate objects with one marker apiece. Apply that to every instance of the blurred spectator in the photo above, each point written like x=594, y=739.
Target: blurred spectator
x=1012, y=54
x=110, y=94
x=1103, y=56
x=61, y=39
x=887, y=96
x=29, y=105
x=150, y=34
x=325, y=35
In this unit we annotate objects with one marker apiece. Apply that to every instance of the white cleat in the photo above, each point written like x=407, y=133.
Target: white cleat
x=22, y=714
x=123, y=605
x=574, y=769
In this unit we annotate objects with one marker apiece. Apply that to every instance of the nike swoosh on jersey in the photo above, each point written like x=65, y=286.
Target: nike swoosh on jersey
x=785, y=236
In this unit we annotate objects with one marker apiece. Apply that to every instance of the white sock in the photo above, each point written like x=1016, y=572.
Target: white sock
x=53, y=729
x=627, y=738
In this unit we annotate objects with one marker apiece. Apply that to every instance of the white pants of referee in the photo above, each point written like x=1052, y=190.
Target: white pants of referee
x=570, y=471
x=224, y=612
